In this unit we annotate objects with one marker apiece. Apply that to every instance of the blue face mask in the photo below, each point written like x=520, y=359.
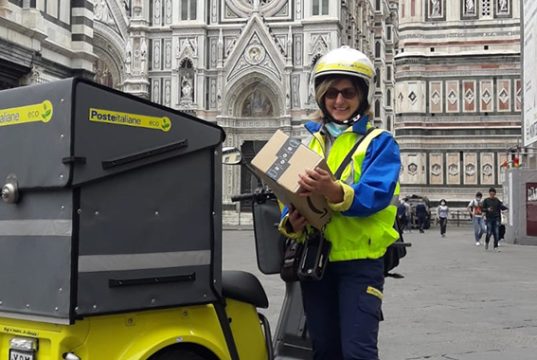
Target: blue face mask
x=336, y=129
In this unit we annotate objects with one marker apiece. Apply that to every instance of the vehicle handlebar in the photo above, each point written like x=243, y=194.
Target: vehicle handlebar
x=242, y=197
x=258, y=196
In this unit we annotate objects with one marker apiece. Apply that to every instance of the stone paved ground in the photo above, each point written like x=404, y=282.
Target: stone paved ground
x=457, y=301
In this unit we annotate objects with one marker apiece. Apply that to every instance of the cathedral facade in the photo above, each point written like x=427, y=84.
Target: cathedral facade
x=246, y=64
x=458, y=95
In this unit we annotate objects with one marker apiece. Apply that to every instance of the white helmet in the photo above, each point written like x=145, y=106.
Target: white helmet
x=347, y=61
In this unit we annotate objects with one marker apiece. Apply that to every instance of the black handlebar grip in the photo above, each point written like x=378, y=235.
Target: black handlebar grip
x=242, y=197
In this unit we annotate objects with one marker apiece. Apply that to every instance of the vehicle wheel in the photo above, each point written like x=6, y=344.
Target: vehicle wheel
x=178, y=354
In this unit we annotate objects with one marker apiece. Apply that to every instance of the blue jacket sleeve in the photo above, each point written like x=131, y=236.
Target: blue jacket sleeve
x=380, y=173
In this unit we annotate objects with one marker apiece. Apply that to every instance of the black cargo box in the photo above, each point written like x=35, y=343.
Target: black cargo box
x=110, y=203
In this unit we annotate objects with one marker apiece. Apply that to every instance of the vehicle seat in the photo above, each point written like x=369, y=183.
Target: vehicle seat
x=243, y=286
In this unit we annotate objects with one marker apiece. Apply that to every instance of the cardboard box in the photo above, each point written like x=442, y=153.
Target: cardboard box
x=279, y=163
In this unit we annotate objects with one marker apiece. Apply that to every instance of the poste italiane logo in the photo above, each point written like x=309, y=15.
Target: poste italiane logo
x=41, y=112
x=127, y=119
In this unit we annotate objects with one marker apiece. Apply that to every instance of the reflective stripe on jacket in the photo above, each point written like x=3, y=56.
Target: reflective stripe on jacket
x=361, y=226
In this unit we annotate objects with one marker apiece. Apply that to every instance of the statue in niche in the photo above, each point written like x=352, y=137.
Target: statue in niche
x=186, y=89
x=470, y=7
x=128, y=57
x=502, y=6
x=102, y=13
x=143, y=55
x=435, y=8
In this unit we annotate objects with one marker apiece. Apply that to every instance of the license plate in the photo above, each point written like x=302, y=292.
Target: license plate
x=21, y=355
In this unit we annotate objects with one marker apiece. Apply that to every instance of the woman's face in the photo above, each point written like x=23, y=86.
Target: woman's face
x=342, y=100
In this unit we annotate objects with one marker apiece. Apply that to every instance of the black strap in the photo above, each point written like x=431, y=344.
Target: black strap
x=348, y=158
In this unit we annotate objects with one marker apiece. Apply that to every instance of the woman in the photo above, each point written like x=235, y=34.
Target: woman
x=443, y=212
x=343, y=309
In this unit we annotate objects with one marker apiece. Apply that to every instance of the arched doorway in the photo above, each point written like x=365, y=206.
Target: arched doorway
x=256, y=102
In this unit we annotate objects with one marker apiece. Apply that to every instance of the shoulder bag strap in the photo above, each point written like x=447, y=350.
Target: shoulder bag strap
x=348, y=158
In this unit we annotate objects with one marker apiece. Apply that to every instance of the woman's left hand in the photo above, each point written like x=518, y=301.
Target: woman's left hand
x=320, y=181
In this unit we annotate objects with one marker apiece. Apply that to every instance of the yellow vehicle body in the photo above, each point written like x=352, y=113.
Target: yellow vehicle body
x=139, y=335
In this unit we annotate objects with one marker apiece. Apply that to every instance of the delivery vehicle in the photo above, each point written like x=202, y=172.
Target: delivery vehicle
x=111, y=233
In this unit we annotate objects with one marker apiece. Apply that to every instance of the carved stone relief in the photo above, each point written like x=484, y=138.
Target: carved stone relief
x=102, y=12
x=413, y=168
x=229, y=45
x=469, y=8
x=168, y=10
x=436, y=9
x=167, y=92
x=156, y=54
x=155, y=90
x=470, y=168
x=487, y=169
x=502, y=7
x=157, y=20
x=437, y=168
x=295, y=84
x=297, y=39
x=214, y=11
x=453, y=169
x=319, y=44
x=167, y=54
x=254, y=55
x=212, y=52
x=212, y=93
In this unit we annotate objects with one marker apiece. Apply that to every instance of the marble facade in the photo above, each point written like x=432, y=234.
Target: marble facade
x=458, y=95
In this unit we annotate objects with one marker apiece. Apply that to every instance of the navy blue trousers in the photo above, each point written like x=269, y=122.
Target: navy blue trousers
x=343, y=310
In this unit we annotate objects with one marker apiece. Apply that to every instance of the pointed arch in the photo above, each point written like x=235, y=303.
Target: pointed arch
x=255, y=95
x=186, y=81
x=109, y=66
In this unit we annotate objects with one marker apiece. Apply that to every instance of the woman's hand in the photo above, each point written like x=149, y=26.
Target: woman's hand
x=321, y=182
x=296, y=220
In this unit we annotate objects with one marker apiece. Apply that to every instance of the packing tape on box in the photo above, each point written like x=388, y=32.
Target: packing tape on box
x=285, y=153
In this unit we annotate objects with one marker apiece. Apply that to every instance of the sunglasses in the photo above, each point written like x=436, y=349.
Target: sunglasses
x=348, y=93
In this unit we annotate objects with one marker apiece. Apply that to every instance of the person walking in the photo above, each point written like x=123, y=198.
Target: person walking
x=421, y=215
x=408, y=214
x=493, y=211
x=443, y=213
x=475, y=208
x=344, y=307
x=401, y=215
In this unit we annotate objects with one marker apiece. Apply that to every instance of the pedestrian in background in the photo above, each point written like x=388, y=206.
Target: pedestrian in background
x=401, y=215
x=475, y=207
x=421, y=215
x=443, y=213
x=493, y=211
x=408, y=215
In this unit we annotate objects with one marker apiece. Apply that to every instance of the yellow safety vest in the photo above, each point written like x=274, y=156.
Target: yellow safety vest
x=355, y=237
